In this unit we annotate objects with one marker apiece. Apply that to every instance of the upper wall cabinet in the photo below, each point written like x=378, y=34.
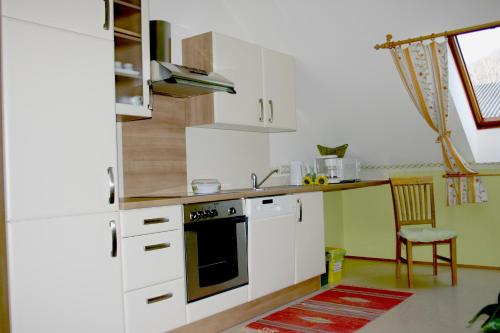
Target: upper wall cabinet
x=91, y=17
x=264, y=82
x=132, y=69
x=59, y=122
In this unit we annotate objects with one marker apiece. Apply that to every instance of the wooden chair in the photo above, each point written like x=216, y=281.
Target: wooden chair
x=413, y=202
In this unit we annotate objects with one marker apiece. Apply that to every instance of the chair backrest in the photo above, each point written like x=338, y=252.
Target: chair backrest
x=413, y=201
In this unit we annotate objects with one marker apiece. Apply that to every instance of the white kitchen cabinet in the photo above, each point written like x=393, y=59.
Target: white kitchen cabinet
x=152, y=259
x=59, y=121
x=65, y=275
x=264, y=82
x=154, y=281
x=156, y=309
x=83, y=16
x=279, y=90
x=309, y=236
x=241, y=63
x=131, y=26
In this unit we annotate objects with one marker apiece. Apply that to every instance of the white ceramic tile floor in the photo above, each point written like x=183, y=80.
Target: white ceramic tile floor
x=436, y=306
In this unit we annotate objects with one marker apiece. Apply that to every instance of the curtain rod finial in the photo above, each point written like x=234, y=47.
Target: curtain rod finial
x=388, y=37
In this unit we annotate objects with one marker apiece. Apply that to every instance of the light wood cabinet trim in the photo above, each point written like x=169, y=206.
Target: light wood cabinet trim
x=4, y=290
x=154, y=150
x=239, y=314
x=197, y=52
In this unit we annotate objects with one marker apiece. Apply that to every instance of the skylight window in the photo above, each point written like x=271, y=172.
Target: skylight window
x=477, y=55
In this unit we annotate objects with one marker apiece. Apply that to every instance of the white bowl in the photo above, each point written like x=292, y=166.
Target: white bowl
x=205, y=186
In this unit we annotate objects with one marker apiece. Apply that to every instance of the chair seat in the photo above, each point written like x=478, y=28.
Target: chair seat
x=426, y=235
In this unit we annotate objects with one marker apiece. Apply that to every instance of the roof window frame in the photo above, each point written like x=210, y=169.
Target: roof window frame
x=481, y=122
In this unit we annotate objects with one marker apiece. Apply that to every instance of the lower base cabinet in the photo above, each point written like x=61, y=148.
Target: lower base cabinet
x=156, y=309
x=309, y=236
x=65, y=275
x=154, y=282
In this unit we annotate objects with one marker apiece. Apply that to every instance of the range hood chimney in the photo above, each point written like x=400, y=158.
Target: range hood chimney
x=175, y=80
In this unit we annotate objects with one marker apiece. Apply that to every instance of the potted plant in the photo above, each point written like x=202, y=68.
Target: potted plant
x=492, y=324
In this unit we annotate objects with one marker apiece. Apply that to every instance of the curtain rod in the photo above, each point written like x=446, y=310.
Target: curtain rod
x=389, y=44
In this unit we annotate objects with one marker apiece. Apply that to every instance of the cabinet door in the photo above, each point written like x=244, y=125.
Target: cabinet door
x=63, y=276
x=241, y=63
x=83, y=16
x=279, y=89
x=309, y=236
x=60, y=127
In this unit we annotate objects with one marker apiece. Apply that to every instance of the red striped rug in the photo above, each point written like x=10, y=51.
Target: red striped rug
x=342, y=309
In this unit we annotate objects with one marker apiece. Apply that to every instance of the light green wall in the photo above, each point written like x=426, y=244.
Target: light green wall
x=362, y=222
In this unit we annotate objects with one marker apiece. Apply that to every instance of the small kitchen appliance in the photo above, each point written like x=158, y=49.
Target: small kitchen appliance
x=297, y=172
x=338, y=170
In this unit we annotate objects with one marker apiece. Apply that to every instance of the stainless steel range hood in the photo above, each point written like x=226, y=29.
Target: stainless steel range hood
x=176, y=80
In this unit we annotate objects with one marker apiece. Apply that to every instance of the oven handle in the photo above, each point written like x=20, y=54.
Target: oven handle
x=198, y=224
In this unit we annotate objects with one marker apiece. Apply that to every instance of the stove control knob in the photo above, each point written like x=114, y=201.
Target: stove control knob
x=231, y=211
x=193, y=216
x=208, y=213
x=214, y=213
x=201, y=214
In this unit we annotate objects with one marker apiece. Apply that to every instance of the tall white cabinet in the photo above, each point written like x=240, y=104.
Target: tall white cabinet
x=65, y=275
x=60, y=133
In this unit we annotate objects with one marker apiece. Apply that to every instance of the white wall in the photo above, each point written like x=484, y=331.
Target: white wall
x=347, y=92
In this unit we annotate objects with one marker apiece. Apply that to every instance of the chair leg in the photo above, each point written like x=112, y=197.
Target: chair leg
x=409, y=259
x=453, y=263
x=398, y=258
x=434, y=259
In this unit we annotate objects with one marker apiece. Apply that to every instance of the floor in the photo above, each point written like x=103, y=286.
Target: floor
x=435, y=305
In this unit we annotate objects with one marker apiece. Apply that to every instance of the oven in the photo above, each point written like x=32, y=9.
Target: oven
x=216, y=247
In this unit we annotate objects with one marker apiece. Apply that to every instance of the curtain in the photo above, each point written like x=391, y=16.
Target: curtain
x=423, y=68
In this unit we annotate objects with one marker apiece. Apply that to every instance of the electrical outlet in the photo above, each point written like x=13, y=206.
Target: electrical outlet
x=284, y=169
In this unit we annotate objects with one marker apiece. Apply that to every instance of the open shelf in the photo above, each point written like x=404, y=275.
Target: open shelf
x=128, y=4
x=124, y=33
x=127, y=75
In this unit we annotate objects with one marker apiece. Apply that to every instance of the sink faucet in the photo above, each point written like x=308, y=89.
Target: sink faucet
x=255, y=184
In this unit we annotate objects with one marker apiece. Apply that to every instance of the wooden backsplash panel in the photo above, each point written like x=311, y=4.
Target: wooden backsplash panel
x=154, y=150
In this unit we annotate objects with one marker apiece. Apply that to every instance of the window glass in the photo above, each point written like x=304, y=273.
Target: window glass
x=481, y=54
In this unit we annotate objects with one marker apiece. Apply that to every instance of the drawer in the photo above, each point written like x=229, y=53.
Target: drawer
x=150, y=220
x=152, y=259
x=156, y=309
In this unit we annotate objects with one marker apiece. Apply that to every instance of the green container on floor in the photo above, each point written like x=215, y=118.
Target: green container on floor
x=334, y=258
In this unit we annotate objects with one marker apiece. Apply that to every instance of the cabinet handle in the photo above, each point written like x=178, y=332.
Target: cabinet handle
x=111, y=186
x=160, y=298
x=272, y=111
x=114, y=239
x=154, y=247
x=299, y=202
x=156, y=220
x=106, y=15
x=261, y=102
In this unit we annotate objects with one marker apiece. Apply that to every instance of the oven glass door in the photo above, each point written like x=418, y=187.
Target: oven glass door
x=216, y=256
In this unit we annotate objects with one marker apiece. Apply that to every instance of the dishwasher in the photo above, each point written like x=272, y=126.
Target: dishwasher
x=271, y=244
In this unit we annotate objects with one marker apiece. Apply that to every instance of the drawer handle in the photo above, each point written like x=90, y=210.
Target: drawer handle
x=156, y=220
x=156, y=247
x=160, y=298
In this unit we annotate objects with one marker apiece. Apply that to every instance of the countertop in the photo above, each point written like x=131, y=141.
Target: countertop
x=188, y=198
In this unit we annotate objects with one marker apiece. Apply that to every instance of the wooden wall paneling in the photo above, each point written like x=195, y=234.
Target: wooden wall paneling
x=154, y=150
x=241, y=313
x=197, y=52
x=4, y=290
